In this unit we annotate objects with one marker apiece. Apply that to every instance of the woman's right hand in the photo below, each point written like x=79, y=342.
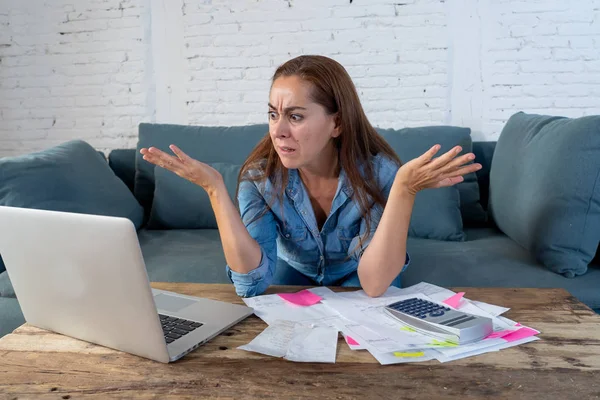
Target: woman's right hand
x=185, y=166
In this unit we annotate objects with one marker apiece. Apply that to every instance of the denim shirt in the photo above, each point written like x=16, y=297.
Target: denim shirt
x=289, y=230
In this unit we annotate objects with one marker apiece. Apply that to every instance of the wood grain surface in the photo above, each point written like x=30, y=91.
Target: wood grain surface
x=565, y=364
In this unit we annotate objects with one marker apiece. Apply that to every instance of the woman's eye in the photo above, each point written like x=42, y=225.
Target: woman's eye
x=296, y=117
x=272, y=115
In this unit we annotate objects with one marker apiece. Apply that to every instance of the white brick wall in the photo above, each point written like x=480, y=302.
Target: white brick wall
x=94, y=69
x=541, y=57
x=71, y=70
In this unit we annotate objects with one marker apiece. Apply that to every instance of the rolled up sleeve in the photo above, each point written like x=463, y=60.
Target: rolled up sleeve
x=261, y=226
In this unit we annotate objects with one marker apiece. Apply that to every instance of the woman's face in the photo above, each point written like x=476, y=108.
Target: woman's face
x=300, y=129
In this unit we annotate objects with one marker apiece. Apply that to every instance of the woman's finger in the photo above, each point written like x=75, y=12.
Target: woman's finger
x=428, y=155
x=180, y=154
x=445, y=158
x=449, y=181
x=457, y=163
x=460, y=171
x=162, y=159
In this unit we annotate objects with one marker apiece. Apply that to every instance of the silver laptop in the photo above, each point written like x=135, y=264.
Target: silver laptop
x=84, y=276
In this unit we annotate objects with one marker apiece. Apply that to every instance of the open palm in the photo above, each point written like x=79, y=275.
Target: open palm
x=183, y=165
x=425, y=172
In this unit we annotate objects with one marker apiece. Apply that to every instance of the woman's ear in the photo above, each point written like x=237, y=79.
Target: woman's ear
x=337, y=129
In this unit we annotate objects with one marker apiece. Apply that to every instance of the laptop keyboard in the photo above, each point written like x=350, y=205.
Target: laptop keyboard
x=174, y=328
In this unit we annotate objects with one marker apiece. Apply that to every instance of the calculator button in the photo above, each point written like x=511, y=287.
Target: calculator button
x=437, y=313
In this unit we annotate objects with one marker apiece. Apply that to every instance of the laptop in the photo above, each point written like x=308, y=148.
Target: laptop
x=84, y=276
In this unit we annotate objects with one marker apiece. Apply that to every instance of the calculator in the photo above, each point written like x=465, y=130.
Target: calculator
x=439, y=321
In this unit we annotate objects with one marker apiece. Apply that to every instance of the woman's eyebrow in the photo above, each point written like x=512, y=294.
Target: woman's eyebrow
x=288, y=109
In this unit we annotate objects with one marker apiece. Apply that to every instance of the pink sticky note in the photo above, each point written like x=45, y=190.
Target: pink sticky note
x=499, y=334
x=454, y=301
x=521, y=333
x=301, y=298
x=351, y=341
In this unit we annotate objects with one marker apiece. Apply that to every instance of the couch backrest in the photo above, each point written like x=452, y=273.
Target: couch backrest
x=484, y=151
x=206, y=143
x=123, y=161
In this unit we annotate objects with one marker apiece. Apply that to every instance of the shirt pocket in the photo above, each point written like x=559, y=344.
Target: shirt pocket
x=347, y=233
x=292, y=243
x=292, y=233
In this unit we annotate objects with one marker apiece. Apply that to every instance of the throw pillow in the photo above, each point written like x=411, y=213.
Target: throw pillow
x=410, y=141
x=437, y=212
x=436, y=215
x=545, y=188
x=71, y=177
x=209, y=144
x=181, y=204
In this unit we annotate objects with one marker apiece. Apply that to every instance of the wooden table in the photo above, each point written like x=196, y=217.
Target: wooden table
x=38, y=364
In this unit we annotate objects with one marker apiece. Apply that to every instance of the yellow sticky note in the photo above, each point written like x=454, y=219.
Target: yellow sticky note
x=407, y=329
x=443, y=344
x=417, y=354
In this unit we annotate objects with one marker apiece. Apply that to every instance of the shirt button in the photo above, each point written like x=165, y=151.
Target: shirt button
x=303, y=212
x=287, y=235
x=321, y=258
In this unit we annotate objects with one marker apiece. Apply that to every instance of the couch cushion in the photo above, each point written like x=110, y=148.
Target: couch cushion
x=209, y=144
x=545, y=188
x=184, y=255
x=453, y=204
x=410, y=143
x=491, y=259
x=484, y=153
x=11, y=316
x=122, y=162
x=71, y=177
x=444, y=203
x=6, y=288
x=180, y=204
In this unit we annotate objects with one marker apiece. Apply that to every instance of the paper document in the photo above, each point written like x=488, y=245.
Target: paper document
x=304, y=326
x=398, y=357
x=316, y=344
x=271, y=308
x=274, y=340
x=441, y=357
x=368, y=324
x=296, y=342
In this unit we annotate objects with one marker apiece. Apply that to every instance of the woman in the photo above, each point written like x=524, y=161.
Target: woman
x=323, y=199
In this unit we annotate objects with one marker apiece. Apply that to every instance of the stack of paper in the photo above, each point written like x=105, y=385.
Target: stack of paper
x=304, y=326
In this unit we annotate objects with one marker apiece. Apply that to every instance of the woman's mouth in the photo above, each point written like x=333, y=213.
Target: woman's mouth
x=286, y=150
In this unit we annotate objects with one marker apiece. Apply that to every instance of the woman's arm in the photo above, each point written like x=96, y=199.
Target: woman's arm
x=242, y=252
x=384, y=258
x=250, y=251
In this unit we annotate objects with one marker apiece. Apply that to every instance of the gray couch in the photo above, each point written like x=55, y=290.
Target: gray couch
x=487, y=258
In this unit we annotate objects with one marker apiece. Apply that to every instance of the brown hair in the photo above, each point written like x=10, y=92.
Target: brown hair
x=334, y=90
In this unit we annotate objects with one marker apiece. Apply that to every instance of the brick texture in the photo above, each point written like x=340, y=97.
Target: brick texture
x=86, y=69
x=71, y=70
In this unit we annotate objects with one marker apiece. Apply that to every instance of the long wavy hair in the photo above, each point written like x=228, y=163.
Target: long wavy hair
x=358, y=141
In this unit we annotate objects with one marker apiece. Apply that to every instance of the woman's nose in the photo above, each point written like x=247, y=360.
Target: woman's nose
x=280, y=128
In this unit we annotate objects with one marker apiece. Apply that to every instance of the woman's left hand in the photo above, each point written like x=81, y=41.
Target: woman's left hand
x=425, y=172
